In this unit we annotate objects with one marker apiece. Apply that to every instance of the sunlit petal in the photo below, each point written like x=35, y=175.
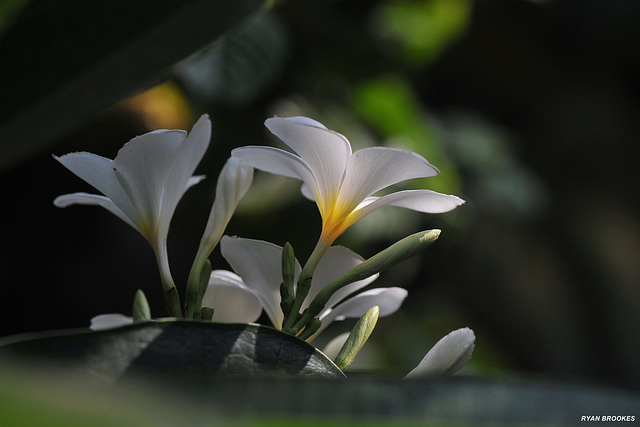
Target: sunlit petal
x=141, y=168
x=306, y=192
x=233, y=183
x=259, y=265
x=337, y=261
x=426, y=201
x=95, y=200
x=305, y=121
x=448, y=355
x=185, y=162
x=231, y=300
x=277, y=162
x=193, y=181
x=388, y=300
x=375, y=168
x=97, y=171
x=324, y=151
x=109, y=321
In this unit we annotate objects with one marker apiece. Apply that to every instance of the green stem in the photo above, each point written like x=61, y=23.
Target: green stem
x=171, y=296
x=394, y=254
x=310, y=329
x=192, y=294
x=304, y=283
x=206, y=313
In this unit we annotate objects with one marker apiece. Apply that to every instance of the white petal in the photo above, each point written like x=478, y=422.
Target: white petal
x=142, y=166
x=259, y=264
x=97, y=171
x=325, y=152
x=306, y=121
x=277, y=162
x=448, y=355
x=108, y=321
x=95, y=200
x=233, y=183
x=375, y=168
x=231, y=300
x=193, y=181
x=388, y=300
x=306, y=192
x=426, y=201
x=184, y=164
x=337, y=261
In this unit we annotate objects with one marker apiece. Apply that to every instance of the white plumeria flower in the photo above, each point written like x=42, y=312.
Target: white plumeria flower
x=342, y=182
x=144, y=183
x=256, y=285
x=449, y=355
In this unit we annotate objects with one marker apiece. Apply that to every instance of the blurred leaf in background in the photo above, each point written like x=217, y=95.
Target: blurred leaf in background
x=63, y=61
x=240, y=66
x=422, y=30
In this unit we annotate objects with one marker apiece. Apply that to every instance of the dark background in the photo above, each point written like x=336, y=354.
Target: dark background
x=531, y=110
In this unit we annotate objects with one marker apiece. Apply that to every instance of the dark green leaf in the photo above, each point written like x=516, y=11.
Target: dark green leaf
x=241, y=66
x=185, y=350
x=63, y=60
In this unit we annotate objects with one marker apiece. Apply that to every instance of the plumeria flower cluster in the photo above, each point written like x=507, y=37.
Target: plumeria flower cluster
x=151, y=172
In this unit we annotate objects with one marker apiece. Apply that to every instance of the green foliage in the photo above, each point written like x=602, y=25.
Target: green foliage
x=424, y=28
x=95, y=54
x=181, y=351
x=241, y=66
x=389, y=105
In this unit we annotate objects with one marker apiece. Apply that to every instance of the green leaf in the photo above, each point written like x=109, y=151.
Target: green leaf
x=181, y=350
x=241, y=66
x=423, y=29
x=64, y=60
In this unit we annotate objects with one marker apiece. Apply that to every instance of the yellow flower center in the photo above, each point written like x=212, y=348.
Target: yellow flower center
x=335, y=221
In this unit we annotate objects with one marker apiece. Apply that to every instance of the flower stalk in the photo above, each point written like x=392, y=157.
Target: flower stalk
x=394, y=254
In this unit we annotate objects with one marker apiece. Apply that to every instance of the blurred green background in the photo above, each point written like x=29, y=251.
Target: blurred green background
x=531, y=110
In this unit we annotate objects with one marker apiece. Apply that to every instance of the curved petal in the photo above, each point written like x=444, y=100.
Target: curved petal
x=97, y=171
x=302, y=120
x=277, y=162
x=259, y=265
x=426, y=201
x=141, y=168
x=233, y=183
x=388, y=300
x=325, y=152
x=448, y=355
x=337, y=261
x=95, y=200
x=184, y=164
x=108, y=321
x=193, y=181
x=306, y=192
x=375, y=168
x=231, y=300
